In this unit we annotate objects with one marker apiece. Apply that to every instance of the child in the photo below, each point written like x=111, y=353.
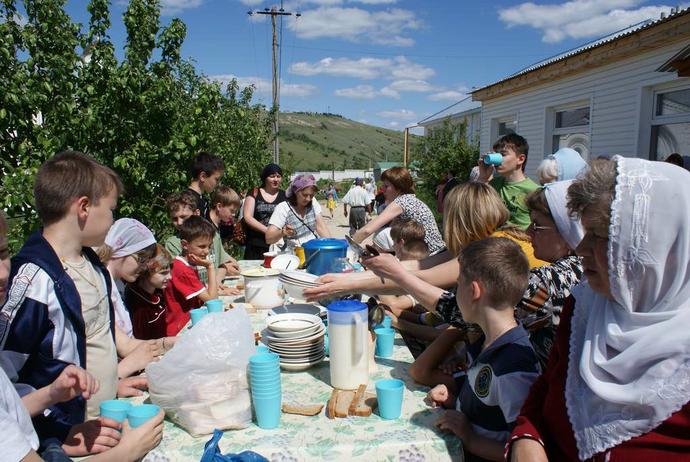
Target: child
x=182, y=206
x=128, y=247
x=502, y=364
x=58, y=310
x=206, y=172
x=144, y=297
x=185, y=290
x=408, y=240
x=224, y=205
x=512, y=184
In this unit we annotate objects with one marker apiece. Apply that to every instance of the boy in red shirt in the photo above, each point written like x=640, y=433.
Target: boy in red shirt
x=185, y=290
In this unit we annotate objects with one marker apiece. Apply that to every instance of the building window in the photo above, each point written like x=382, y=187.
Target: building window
x=671, y=124
x=503, y=126
x=571, y=129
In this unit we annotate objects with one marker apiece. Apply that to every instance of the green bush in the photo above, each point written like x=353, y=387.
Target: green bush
x=146, y=117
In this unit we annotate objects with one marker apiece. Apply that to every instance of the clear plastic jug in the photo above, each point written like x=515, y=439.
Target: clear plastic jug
x=348, y=337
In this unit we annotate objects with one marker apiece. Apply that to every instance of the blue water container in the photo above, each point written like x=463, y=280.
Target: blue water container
x=326, y=250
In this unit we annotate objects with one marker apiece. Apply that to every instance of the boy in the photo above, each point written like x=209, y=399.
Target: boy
x=185, y=291
x=58, y=309
x=512, y=184
x=224, y=205
x=502, y=364
x=206, y=172
x=408, y=240
x=180, y=207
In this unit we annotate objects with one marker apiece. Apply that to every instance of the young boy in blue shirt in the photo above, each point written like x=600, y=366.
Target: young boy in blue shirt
x=502, y=364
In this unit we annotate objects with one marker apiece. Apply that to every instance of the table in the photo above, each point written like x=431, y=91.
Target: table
x=300, y=438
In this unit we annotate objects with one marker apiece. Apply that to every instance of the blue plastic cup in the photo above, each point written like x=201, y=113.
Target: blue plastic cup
x=261, y=359
x=266, y=393
x=389, y=393
x=138, y=415
x=263, y=380
x=262, y=349
x=385, y=337
x=214, y=306
x=197, y=314
x=115, y=409
x=493, y=158
x=387, y=320
x=267, y=411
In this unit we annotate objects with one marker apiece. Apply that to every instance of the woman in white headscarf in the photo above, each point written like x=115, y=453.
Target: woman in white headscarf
x=617, y=384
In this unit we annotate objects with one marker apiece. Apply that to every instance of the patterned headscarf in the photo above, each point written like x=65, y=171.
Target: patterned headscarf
x=299, y=183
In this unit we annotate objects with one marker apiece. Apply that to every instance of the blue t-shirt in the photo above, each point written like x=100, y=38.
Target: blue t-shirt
x=497, y=382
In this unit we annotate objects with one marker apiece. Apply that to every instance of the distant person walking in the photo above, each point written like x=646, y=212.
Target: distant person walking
x=332, y=197
x=358, y=200
x=371, y=194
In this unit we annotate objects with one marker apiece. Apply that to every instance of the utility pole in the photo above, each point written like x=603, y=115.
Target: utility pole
x=274, y=13
x=405, y=147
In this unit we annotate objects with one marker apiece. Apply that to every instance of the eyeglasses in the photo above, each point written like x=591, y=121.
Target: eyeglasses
x=537, y=228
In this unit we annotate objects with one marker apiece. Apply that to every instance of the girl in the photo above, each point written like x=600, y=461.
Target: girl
x=144, y=297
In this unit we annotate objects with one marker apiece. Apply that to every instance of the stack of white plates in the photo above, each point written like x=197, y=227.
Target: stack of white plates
x=297, y=338
x=295, y=282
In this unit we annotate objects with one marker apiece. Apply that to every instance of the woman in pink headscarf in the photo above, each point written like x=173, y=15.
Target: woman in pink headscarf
x=298, y=219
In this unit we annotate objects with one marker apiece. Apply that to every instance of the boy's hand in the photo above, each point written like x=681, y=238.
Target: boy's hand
x=332, y=284
x=437, y=396
x=288, y=231
x=232, y=268
x=196, y=261
x=457, y=423
x=136, y=442
x=453, y=366
x=132, y=386
x=225, y=290
x=92, y=437
x=72, y=382
x=485, y=171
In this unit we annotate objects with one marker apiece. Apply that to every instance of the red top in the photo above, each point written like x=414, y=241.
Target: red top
x=544, y=417
x=180, y=295
x=147, y=312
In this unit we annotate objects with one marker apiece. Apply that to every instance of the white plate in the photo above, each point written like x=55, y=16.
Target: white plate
x=310, y=359
x=305, y=308
x=299, y=366
x=299, y=276
x=298, y=351
x=293, y=341
x=285, y=261
x=297, y=333
x=290, y=322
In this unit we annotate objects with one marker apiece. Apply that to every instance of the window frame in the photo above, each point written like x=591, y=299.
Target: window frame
x=656, y=121
x=552, y=131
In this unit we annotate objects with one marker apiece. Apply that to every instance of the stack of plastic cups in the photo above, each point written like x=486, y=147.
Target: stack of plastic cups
x=264, y=379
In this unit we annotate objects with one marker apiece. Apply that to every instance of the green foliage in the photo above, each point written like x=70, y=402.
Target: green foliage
x=145, y=117
x=444, y=149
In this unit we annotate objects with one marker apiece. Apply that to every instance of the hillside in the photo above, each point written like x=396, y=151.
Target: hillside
x=311, y=141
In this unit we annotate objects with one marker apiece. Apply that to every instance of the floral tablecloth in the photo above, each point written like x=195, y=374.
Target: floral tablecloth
x=299, y=438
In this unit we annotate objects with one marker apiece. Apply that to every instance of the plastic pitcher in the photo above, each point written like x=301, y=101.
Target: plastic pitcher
x=348, y=344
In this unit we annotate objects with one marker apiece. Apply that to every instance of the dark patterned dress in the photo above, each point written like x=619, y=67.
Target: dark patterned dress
x=540, y=308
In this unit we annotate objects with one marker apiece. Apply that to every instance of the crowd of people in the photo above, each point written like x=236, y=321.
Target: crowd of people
x=548, y=319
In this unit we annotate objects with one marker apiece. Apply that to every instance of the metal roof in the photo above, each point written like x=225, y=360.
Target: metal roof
x=461, y=107
x=681, y=55
x=635, y=28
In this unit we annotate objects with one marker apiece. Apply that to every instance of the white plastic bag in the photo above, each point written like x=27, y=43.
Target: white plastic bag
x=202, y=382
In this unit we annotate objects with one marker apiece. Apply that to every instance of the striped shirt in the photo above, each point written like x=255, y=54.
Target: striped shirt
x=497, y=382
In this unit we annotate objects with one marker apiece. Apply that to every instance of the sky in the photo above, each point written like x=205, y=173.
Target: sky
x=389, y=63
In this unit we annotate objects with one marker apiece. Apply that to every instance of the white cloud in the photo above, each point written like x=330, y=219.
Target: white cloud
x=365, y=68
x=402, y=114
x=263, y=86
x=579, y=18
x=358, y=92
x=169, y=7
x=394, y=124
x=419, y=86
x=365, y=92
x=455, y=94
x=374, y=2
x=357, y=25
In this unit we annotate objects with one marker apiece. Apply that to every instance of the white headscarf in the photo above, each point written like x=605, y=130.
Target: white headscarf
x=629, y=362
x=568, y=227
x=128, y=236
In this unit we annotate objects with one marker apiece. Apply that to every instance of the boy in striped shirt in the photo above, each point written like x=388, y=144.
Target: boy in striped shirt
x=502, y=364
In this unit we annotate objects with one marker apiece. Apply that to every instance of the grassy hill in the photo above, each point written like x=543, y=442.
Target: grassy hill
x=312, y=141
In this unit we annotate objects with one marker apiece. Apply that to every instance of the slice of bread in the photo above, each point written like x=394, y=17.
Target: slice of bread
x=302, y=409
x=342, y=405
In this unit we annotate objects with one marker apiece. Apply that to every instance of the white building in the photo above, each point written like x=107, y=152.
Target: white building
x=466, y=110
x=627, y=93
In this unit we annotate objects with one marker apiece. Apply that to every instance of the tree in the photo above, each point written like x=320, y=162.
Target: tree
x=63, y=88
x=443, y=149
